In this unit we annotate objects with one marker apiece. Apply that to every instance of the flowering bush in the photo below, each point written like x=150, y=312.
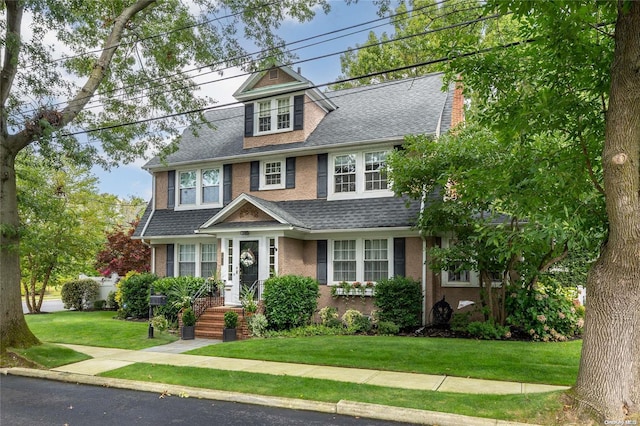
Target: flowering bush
x=545, y=312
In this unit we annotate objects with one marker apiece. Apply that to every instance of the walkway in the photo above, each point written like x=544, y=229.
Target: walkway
x=105, y=359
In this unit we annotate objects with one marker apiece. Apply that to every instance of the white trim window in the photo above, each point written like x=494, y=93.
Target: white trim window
x=200, y=188
x=186, y=260
x=272, y=174
x=359, y=175
x=455, y=276
x=274, y=115
x=187, y=181
x=197, y=259
x=360, y=259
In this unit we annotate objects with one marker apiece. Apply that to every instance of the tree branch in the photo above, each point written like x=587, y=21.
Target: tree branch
x=11, y=53
x=587, y=160
x=60, y=119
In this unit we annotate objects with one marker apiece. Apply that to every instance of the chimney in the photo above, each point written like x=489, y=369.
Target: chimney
x=457, y=110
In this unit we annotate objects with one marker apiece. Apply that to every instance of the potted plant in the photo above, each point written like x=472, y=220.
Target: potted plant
x=248, y=301
x=188, y=330
x=230, y=324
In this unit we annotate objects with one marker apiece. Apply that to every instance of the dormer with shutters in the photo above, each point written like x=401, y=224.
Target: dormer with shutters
x=280, y=107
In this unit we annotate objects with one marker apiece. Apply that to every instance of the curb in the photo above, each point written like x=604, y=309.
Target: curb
x=343, y=407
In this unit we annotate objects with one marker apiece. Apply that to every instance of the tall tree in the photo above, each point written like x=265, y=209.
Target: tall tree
x=114, y=68
x=63, y=219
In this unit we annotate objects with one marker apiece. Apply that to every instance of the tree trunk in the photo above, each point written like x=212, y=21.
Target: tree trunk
x=608, y=379
x=13, y=327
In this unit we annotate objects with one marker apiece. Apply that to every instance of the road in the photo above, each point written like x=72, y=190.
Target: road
x=37, y=402
x=53, y=305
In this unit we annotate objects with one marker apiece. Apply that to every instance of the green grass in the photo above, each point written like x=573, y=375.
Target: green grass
x=550, y=363
x=51, y=356
x=538, y=408
x=94, y=328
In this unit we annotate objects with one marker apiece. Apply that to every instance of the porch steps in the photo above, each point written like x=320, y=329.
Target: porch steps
x=211, y=323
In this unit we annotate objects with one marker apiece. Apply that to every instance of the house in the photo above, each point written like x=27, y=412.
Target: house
x=292, y=182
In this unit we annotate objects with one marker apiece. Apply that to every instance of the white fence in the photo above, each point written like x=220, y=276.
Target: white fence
x=107, y=284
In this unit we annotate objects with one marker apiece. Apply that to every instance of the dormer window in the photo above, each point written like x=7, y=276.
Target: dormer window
x=276, y=111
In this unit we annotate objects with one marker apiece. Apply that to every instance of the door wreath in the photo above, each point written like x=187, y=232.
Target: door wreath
x=247, y=258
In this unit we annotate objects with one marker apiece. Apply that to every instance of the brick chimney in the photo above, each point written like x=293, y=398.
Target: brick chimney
x=457, y=112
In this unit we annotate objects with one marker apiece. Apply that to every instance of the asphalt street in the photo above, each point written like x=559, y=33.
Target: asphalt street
x=37, y=402
x=53, y=305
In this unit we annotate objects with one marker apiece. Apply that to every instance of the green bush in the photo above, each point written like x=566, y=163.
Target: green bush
x=189, y=317
x=178, y=290
x=399, y=300
x=79, y=294
x=545, y=312
x=355, y=322
x=387, y=328
x=159, y=323
x=308, y=331
x=257, y=325
x=290, y=301
x=99, y=305
x=133, y=295
x=230, y=319
x=487, y=330
x=460, y=321
x=111, y=301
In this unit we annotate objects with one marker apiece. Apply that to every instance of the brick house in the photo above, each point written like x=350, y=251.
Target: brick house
x=291, y=182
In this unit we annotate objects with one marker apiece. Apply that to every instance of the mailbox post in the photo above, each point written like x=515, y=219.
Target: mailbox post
x=154, y=300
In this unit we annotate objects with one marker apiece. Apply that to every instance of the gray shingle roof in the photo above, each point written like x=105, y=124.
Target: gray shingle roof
x=311, y=215
x=384, y=111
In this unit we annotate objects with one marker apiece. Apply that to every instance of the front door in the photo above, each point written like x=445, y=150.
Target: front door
x=248, y=263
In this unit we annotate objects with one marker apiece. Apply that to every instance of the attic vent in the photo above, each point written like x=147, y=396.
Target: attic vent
x=273, y=74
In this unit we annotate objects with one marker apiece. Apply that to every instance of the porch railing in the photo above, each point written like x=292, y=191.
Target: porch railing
x=207, y=296
x=257, y=288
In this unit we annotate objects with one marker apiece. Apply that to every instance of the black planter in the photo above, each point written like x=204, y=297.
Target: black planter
x=228, y=334
x=188, y=332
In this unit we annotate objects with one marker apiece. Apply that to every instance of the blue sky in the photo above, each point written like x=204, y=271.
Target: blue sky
x=131, y=180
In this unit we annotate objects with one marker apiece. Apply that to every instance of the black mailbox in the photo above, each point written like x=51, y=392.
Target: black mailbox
x=158, y=300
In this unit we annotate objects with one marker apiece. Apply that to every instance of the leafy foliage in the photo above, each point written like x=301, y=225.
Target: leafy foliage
x=257, y=325
x=230, y=319
x=179, y=291
x=123, y=254
x=545, y=312
x=79, y=294
x=488, y=330
x=399, y=300
x=290, y=301
x=189, y=318
x=387, y=328
x=133, y=294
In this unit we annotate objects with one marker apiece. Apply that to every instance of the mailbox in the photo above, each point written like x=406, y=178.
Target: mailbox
x=158, y=300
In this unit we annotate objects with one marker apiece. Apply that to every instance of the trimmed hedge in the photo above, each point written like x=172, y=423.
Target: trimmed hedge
x=79, y=294
x=133, y=295
x=290, y=301
x=400, y=301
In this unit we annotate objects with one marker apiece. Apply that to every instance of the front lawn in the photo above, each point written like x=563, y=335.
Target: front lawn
x=533, y=362
x=94, y=328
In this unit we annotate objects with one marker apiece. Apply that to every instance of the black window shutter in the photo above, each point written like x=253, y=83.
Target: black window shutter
x=290, y=178
x=322, y=262
x=170, y=257
x=322, y=175
x=298, y=112
x=226, y=184
x=254, y=179
x=171, y=189
x=399, y=257
x=248, y=120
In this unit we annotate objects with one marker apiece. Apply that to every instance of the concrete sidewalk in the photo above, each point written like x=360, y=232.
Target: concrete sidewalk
x=105, y=359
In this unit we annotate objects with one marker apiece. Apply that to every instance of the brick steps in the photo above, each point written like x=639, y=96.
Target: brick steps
x=211, y=323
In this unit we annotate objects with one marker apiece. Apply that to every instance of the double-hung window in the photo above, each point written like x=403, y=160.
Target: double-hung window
x=186, y=260
x=199, y=188
x=188, y=187
x=359, y=174
x=361, y=259
x=208, y=257
x=274, y=115
x=272, y=173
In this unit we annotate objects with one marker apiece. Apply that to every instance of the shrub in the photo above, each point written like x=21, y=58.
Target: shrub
x=159, y=323
x=545, y=312
x=487, y=330
x=230, y=319
x=133, y=294
x=328, y=314
x=99, y=305
x=356, y=322
x=257, y=325
x=79, y=294
x=399, y=300
x=460, y=321
x=189, y=317
x=178, y=290
x=111, y=301
x=387, y=328
x=308, y=331
x=350, y=317
x=290, y=301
